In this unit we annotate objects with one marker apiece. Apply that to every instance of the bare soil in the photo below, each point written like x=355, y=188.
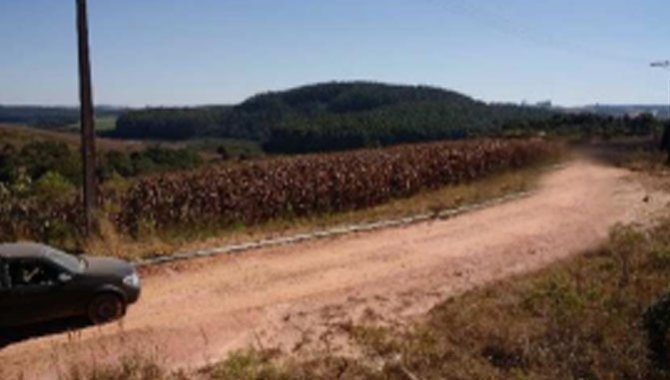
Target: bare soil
x=302, y=299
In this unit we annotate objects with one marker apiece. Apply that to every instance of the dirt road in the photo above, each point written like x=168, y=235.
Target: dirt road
x=298, y=298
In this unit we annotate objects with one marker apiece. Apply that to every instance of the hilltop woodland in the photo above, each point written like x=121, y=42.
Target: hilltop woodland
x=342, y=116
x=334, y=117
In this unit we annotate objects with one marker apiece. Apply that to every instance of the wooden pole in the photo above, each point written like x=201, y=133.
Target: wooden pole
x=86, y=116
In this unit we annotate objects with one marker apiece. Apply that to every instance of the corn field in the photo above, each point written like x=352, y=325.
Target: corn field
x=316, y=184
x=258, y=191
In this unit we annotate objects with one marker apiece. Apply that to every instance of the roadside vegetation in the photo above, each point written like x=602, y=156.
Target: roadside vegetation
x=647, y=154
x=318, y=184
x=157, y=242
x=235, y=195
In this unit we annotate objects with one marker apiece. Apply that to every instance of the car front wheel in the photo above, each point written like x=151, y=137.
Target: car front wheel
x=106, y=308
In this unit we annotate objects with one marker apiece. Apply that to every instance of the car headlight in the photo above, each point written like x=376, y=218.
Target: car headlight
x=132, y=280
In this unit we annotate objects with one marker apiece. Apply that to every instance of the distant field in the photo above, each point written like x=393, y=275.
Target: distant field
x=102, y=124
x=20, y=135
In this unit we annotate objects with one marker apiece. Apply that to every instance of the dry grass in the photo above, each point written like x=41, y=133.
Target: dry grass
x=109, y=242
x=128, y=368
x=652, y=162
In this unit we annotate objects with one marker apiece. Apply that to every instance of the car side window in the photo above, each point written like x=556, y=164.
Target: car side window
x=31, y=273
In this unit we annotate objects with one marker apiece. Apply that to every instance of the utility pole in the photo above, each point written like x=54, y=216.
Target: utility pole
x=665, y=65
x=86, y=117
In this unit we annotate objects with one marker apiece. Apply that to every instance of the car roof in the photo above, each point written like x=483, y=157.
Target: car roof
x=23, y=250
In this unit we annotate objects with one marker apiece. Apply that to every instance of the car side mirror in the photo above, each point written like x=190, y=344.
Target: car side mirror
x=64, y=278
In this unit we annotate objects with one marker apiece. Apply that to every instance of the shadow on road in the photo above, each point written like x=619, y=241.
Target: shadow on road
x=13, y=335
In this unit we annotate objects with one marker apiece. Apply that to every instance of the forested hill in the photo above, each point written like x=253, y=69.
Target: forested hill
x=330, y=116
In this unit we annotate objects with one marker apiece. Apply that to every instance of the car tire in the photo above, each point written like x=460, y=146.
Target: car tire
x=5, y=338
x=106, y=308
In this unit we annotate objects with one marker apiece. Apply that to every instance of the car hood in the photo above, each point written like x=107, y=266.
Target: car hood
x=105, y=266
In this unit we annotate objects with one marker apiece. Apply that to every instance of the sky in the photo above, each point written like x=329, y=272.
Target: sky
x=193, y=52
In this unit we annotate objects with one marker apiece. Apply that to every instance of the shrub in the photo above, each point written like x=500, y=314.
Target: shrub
x=53, y=187
x=246, y=365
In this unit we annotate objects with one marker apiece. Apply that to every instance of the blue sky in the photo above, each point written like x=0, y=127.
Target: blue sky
x=173, y=52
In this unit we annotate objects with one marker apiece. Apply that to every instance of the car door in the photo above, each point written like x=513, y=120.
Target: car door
x=35, y=292
x=7, y=307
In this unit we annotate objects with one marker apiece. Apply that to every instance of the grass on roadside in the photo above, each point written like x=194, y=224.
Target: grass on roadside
x=128, y=368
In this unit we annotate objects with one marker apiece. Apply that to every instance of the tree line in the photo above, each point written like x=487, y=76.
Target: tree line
x=329, y=116
x=54, y=169
x=340, y=116
x=47, y=117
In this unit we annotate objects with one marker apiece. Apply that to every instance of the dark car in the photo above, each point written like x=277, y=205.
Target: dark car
x=39, y=283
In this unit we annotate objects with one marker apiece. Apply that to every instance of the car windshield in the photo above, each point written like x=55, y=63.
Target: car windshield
x=69, y=262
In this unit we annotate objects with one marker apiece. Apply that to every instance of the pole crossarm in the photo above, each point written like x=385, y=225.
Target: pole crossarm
x=665, y=65
x=661, y=64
